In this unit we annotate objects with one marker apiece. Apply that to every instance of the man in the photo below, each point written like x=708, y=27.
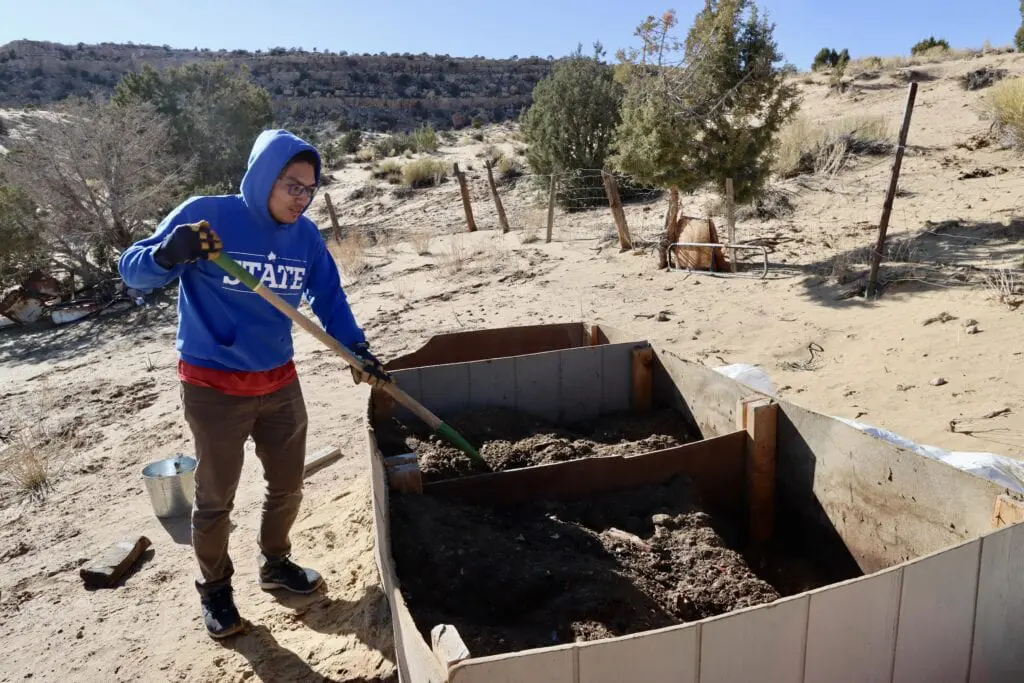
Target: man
x=236, y=370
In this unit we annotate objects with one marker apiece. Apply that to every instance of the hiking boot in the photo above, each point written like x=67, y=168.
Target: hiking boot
x=283, y=573
x=219, y=613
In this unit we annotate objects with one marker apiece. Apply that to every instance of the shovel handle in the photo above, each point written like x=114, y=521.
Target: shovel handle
x=231, y=267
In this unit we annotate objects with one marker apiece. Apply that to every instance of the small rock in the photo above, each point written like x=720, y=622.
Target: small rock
x=973, y=329
x=938, y=382
x=662, y=317
x=660, y=519
x=970, y=322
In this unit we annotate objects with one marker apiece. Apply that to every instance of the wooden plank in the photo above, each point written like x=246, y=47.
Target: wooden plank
x=997, y=654
x=884, y=504
x=595, y=335
x=1007, y=511
x=114, y=563
x=762, y=644
x=616, y=377
x=660, y=656
x=936, y=621
x=537, y=382
x=759, y=418
x=642, y=379
x=715, y=465
x=493, y=383
x=550, y=665
x=445, y=388
x=403, y=472
x=580, y=383
x=411, y=382
x=319, y=459
x=851, y=630
x=447, y=644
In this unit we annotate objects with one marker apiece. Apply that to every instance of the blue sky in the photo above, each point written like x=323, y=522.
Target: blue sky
x=493, y=28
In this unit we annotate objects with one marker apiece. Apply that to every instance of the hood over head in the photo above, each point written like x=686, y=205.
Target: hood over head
x=270, y=153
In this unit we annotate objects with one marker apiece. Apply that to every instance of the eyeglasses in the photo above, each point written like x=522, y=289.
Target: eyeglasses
x=296, y=189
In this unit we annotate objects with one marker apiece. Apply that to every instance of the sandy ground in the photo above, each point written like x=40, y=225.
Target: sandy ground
x=104, y=393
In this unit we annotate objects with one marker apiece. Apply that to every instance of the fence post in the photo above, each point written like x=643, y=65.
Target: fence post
x=461, y=177
x=671, y=218
x=883, y=225
x=334, y=217
x=502, y=219
x=730, y=218
x=610, y=188
x=551, y=208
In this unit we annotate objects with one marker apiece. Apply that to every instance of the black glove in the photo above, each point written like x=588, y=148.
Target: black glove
x=188, y=243
x=372, y=371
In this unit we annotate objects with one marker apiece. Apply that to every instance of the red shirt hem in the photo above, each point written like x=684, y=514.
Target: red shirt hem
x=238, y=382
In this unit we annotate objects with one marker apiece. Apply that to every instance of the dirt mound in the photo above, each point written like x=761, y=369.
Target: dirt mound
x=509, y=439
x=609, y=566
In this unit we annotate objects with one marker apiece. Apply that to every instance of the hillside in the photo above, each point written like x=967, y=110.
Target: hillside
x=373, y=91
x=106, y=393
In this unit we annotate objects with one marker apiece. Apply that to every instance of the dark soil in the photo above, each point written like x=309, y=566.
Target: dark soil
x=509, y=439
x=546, y=573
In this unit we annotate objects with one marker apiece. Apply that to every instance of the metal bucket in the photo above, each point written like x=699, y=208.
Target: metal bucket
x=171, y=485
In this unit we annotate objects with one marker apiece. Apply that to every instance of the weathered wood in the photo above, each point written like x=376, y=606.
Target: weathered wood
x=319, y=459
x=1007, y=511
x=502, y=220
x=716, y=467
x=551, y=209
x=107, y=569
x=612, y=190
x=403, y=472
x=890, y=195
x=595, y=335
x=447, y=644
x=758, y=417
x=335, y=227
x=466, y=204
x=730, y=218
x=643, y=359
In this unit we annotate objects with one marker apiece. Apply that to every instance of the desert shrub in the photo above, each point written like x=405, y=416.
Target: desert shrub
x=389, y=170
x=424, y=173
x=1006, y=107
x=806, y=148
x=215, y=113
x=508, y=169
x=366, y=154
x=929, y=44
x=350, y=141
x=424, y=139
x=393, y=145
x=571, y=125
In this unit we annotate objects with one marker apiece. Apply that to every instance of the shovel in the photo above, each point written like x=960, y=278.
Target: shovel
x=231, y=267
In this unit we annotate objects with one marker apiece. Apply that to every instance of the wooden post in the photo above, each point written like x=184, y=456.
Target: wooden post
x=403, y=473
x=643, y=359
x=730, y=218
x=758, y=417
x=615, y=203
x=883, y=225
x=502, y=220
x=671, y=231
x=461, y=177
x=551, y=208
x=334, y=218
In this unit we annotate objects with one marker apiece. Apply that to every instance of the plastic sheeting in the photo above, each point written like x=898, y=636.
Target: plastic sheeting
x=996, y=468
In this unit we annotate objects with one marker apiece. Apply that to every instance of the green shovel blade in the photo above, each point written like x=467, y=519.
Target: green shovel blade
x=457, y=440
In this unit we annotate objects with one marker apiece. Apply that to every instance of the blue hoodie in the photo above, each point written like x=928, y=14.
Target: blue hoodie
x=221, y=323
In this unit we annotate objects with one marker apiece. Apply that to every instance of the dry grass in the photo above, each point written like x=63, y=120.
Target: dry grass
x=420, y=241
x=1005, y=286
x=806, y=147
x=404, y=288
x=366, y=155
x=25, y=466
x=350, y=255
x=453, y=260
x=424, y=173
x=1006, y=107
x=389, y=170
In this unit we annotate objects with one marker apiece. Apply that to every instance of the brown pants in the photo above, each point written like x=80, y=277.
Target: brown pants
x=220, y=425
